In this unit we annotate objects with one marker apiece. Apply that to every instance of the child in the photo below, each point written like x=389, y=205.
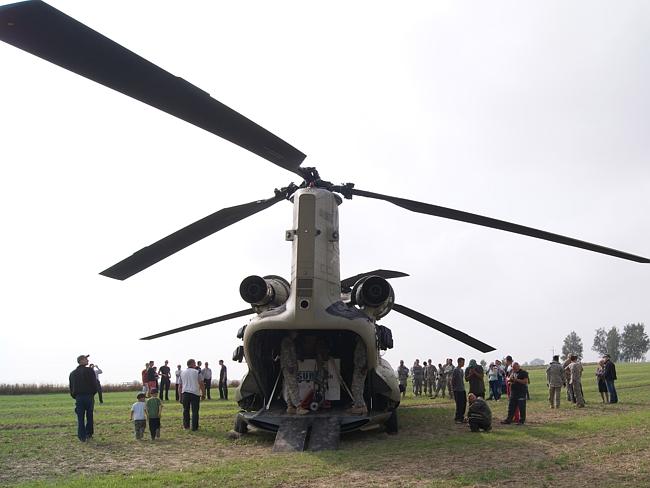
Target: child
x=153, y=410
x=138, y=416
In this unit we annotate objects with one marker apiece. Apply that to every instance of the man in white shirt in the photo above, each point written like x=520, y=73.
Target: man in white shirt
x=207, y=379
x=192, y=392
x=178, y=383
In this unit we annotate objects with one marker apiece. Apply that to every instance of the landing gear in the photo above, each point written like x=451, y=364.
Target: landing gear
x=391, y=423
x=241, y=427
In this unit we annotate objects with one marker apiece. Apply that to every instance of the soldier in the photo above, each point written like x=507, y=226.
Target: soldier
x=567, y=380
x=359, y=379
x=289, y=364
x=575, y=369
x=430, y=375
x=442, y=382
x=402, y=375
x=418, y=378
x=449, y=369
x=555, y=381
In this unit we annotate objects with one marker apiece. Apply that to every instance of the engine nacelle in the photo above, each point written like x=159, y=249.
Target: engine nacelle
x=374, y=295
x=265, y=292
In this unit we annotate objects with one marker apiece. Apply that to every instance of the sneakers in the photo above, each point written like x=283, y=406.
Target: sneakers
x=363, y=410
x=506, y=421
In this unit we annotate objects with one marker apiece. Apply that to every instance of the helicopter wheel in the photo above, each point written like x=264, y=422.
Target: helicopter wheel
x=241, y=426
x=391, y=423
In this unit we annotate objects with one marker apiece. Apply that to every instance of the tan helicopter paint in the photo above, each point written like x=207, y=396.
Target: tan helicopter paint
x=315, y=286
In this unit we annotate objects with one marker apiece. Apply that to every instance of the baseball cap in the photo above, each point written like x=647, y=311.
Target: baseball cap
x=83, y=356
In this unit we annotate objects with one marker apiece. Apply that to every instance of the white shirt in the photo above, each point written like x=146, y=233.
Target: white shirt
x=190, y=380
x=207, y=374
x=178, y=376
x=97, y=372
x=138, y=411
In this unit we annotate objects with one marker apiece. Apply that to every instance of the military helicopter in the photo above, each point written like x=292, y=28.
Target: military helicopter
x=315, y=303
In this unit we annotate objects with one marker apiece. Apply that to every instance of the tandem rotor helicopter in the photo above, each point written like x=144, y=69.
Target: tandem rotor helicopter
x=328, y=319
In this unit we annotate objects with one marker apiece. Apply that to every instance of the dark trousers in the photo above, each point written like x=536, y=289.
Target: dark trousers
x=164, y=386
x=476, y=424
x=515, y=402
x=208, y=385
x=178, y=399
x=495, y=389
x=613, y=396
x=223, y=390
x=100, y=392
x=154, y=427
x=191, y=401
x=460, y=397
x=84, y=410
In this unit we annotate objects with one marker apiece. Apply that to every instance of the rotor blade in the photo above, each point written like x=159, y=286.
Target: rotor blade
x=445, y=329
x=346, y=284
x=214, y=320
x=180, y=239
x=40, y=29
x=449, y=213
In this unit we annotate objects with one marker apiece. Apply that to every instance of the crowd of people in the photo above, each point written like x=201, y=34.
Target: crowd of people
x=503, y=378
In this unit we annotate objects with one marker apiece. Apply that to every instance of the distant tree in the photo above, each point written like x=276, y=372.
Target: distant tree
x=614, y=344
x=634, y=342
x=537, y=362
x=572, y=345
x=600, y=341
x=483, y=363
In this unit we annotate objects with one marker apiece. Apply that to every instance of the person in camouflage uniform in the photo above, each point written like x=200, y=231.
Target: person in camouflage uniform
x=402, y=376
x=567, y=379
x=289, y=365
x=359, y=379
x=418, y=378
x=430, y=374
x=575, y=369
x=442, y=382
x=449, y=369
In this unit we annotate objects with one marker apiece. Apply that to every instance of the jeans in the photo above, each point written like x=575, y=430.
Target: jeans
x=84, y=409
x=164, y=387
x=208, y=385
x=154, y=427
x=495, y=389
x=191, y=401
x=613, y=397
x=223, y=390
x=461, y=403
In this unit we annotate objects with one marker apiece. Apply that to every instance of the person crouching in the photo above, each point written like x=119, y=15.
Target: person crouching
x=479, y=414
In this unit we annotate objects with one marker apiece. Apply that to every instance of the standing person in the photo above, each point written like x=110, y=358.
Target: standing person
x=178, y=383
x=474, y=376
x=139, y=416
x=555, y=380
x=458, y=385
x=502, y=377
x=402, y=376
x=575, y=369
x=83, y=386
x=570, y=396
x=442, y=382
x=494, y=382
x=145, y=382
x=152, y=377
x=609, y=374
x=602, y=384
x=192, y=391
x=165, y=380
x=479, y=415
x=223, y=381
x=430, y=374
x=518, y=381
x=359, y=379
x=154, y=410
x=207, y=380
x=289, y=365
x=449, y=369
x=97, y=372
x=418, y=377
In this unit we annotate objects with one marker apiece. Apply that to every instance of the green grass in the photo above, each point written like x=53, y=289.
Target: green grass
x=601, y=444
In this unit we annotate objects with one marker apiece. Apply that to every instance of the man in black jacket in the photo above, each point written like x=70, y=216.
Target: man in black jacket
x=610, y=376
x=83, y=386
x=479, y=414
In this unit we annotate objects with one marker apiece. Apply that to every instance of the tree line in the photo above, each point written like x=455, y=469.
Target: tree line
x=629, y=346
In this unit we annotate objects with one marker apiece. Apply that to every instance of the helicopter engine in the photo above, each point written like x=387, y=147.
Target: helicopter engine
x=264, y=293
x=374, y=295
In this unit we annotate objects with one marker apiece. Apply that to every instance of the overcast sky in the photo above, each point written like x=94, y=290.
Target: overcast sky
x=535, y=113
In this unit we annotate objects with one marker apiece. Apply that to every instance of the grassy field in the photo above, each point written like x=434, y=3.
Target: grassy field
x=600, y=445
